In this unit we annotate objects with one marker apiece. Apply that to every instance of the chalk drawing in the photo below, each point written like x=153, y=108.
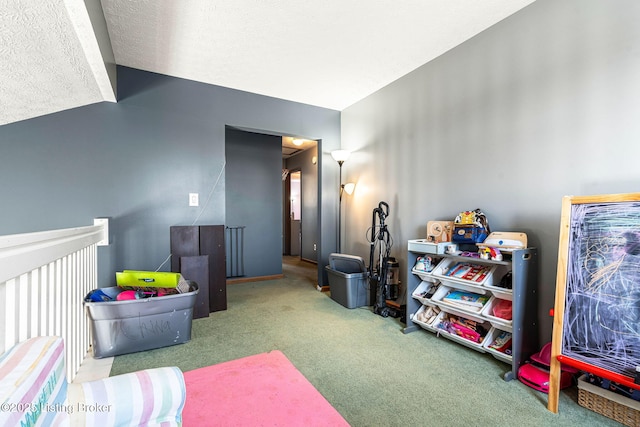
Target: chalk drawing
x=602, y=309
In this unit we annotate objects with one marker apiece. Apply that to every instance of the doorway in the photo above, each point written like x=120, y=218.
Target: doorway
x=256, y=196
x=300, y=202
x=295, y=213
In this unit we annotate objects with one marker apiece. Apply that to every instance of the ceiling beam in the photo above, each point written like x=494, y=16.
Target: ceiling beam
x=91, y=28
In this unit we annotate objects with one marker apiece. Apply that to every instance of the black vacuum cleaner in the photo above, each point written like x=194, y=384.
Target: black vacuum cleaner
x=383, y=273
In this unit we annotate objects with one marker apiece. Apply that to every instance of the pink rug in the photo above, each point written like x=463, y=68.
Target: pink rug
x=261, y=390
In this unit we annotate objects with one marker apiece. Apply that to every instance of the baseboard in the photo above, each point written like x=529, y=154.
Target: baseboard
x=254, y=279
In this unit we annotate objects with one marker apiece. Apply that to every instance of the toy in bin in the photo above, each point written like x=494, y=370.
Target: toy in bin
x=424, y=264
x=150, y=283
x=470, y=227
x=503, y=309
x=535, y=372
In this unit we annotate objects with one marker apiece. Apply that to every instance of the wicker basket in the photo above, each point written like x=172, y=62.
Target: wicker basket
x=612, y=405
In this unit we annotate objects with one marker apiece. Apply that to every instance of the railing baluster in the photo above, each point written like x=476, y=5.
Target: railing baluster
x=22, y=291
x=11, y=319
x=34, y=306
x=46, y=299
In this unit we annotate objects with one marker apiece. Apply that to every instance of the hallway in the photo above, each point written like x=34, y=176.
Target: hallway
x=294, y=266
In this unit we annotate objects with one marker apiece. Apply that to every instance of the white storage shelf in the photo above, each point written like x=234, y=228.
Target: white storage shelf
x=522, y=263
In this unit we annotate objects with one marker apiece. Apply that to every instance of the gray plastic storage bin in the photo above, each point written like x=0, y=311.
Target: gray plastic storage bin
x=121, y=327
x=348, y=280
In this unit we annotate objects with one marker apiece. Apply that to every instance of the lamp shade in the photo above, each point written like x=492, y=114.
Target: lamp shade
x=340, y=156
x=349, y=187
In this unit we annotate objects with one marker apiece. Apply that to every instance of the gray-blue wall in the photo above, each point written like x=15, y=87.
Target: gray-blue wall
x=541, y=105
x=137, y=160
x=254, y=201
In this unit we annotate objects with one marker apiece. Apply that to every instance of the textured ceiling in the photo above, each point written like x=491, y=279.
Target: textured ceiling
x=43, y=67
x=329, y=53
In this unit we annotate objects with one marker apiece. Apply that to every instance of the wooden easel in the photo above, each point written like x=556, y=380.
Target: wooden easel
x=559, y=310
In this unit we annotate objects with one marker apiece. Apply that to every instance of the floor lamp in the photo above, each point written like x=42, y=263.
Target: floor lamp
x=341, y=156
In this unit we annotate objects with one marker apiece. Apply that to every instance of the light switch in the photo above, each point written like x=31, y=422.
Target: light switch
x=194, y=199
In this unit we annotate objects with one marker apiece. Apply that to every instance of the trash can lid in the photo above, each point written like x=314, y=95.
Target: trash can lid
x=348, y=264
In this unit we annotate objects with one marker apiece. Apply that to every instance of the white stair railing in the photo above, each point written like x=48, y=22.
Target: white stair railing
x=44, y=277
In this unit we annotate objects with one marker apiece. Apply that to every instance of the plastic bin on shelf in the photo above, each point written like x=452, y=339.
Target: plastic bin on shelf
x=478, y=346
x=428, y=325
x=457, y=309
x=441, y=270
x=130, y=326
x=500, y=292
x=497, y=321
x=424, y=286
x=426, y=247
x=423, y=275
x=348, y=280
x=489, y=340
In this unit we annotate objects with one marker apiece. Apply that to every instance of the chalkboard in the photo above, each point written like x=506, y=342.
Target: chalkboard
x=597, y=307
x=602, y=309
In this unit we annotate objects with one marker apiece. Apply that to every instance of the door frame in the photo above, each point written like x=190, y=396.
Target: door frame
x=288, y=233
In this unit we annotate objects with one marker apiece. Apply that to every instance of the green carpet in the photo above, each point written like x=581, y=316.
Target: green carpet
x=363, y=364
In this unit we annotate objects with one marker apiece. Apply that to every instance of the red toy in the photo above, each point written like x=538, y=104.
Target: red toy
x=535, y=372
